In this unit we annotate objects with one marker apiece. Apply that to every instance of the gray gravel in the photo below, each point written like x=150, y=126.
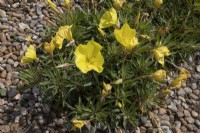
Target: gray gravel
x=23, y=111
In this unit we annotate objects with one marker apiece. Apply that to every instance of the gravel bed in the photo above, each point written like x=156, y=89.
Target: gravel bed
x=23, y=23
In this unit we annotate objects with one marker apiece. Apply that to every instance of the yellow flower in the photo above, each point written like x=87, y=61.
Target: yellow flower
x=179, y=81
x=118, y=3
x=101, y=32
x=78, y=124
x=108, y=19
x=119, y=104
x=159, y=75
x=181, y=78
x=65, y=32
x=119, y=81
x=58, y=41
x=126, y=37
x=88, y=57
x=67, y=3
x=49, y=47
x=30, y=55
x=106, y=89
x=51, y=4
x=158, y=3
x=160, y=53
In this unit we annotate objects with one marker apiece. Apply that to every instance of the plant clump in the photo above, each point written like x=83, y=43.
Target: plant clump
x=106, y=63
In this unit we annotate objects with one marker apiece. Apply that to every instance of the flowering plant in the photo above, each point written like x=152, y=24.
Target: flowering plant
x=105, y=63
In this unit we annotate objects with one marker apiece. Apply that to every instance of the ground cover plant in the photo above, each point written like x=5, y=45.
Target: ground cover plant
x=105, y=63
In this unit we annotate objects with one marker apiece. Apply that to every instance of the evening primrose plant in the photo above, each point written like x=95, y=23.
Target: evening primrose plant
x=104, y=64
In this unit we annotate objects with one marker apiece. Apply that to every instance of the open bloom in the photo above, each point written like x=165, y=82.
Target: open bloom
x=65, y=32
x=118, y=3
x=160, y=53
x=108, y=19
x=78, y=124
x=49, y=47
x=30, y=55
x=127, y=37
x=159, y=75
x=88, y=57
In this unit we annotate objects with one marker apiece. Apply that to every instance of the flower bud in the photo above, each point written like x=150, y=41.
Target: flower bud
x=101, y=32
x=159, y=75
x=158, y=3
x=119, y=104
x=118, y=3
x=119, y=81
x=67, y=3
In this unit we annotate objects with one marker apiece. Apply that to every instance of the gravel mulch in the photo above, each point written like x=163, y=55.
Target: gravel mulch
x=22, y=23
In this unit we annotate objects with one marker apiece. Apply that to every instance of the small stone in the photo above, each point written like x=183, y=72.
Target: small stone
x=35, y=91
x=12, y=92
x=16, y=64
x=162, y=111
x=188, y=90
x=148, y=124
x=46, y=108
x=3, y=38
x=10, y=61
x=24, y=47
x=194, y=114
x=177, y=124
x=191, y=95
x=183, y=129
x=20, y=39
x=165, y=123
x=172, y=107
x=185, y=105
x=5, y=128
x=4, y=74
x=181, y=92
x=1, y=102
x=60, y=122
x=17, y=97
x=23, y=26
x=189, y=127
x=144, y=120
x=183, y=122
x=197, y=123
x=9, y=68
x=23, y=112
x=187, y=113
x=194, y=86
x=142, y=129
x=189, y=120
x=176, y=130
x=3, y=14
x=198, y=68
x=165, y=129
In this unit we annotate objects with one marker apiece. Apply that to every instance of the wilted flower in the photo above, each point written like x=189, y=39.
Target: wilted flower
x=108, y=19
x=159, y=75
x=88, y=57
x=67, y=3
x=58, y=41
x=118, y=3
x=65, y=32
x=160, y=53
x=106, y=89
x=101, y=32
x=127, y=37
x=30, y=55
x=158, y=3
x=78, y=124
x=49, y=47
x=181, y=78
x=51, y=4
